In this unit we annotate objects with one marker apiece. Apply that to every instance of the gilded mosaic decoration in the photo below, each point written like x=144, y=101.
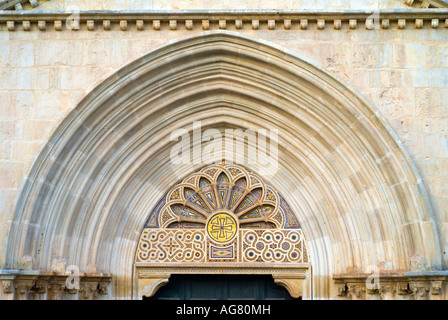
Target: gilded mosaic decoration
x=222, y=213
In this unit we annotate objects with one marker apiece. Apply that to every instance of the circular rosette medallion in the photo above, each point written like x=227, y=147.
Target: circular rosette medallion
x=222, y=227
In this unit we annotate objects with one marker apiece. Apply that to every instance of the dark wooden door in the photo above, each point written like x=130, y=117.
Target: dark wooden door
x=221, y=287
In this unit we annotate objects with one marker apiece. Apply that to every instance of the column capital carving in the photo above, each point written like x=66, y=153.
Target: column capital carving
x=420, y=290
x=418, y=286
x=56, y=290
x=22, y=288
x=436, y=287
x=88, y=290
x=7, y=285
x=356, y=291
x=387, y=291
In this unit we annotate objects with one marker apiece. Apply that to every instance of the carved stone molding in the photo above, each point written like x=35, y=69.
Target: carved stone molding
x=356, y=291
x=55, y=290
x=7, y=284
x=51, y=285
x=388, y=291
x=88, y=290
x=436, y=287
x=257, y=20
x=149, y=285
x=22, y=288
x=420, y=290
x=292, y=283
x=397, y=286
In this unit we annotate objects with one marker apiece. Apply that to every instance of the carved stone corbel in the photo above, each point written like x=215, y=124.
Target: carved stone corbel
x=356, y=291
x=40, y=289
x=103, y=287
x=238, y=24
x=436, y=287
x=7, y=285
x=292, y=283
x=149, y=285
x=23, y=288
x=341, y=289
x=55, y=290
x=402, y=288
x=419, y=290
x=387, y=291
x=303, y=24
x=88, y=290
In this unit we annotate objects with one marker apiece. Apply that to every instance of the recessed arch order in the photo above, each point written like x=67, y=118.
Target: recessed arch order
x=351, y=184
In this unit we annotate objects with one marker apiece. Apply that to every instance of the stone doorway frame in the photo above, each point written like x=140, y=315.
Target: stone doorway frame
x=151, y=277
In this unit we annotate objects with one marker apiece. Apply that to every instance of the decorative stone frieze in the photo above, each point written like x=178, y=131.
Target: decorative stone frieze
x=356, y=291
x=88, y=290
x=48, y=285
x=398, y=286
x=292, y=20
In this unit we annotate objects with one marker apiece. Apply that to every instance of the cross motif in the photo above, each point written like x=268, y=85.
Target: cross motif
x=170, y=246
x=222, y=227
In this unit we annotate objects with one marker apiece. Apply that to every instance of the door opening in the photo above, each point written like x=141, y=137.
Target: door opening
x=221, y=287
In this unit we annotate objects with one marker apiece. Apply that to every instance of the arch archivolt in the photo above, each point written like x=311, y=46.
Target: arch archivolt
x=349, y=182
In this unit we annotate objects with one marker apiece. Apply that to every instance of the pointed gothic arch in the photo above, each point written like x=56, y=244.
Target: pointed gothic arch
x=350, y=182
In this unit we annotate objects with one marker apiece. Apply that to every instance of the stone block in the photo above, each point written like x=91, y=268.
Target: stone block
x=22, y=54
x=442, y=55
x=11, y=174
x=59, y=53
x=52, y=104
x=8, y=130
x=428, y=102
x=35, y=130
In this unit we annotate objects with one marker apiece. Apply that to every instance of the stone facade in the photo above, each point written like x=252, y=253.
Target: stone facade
x=394, y=56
